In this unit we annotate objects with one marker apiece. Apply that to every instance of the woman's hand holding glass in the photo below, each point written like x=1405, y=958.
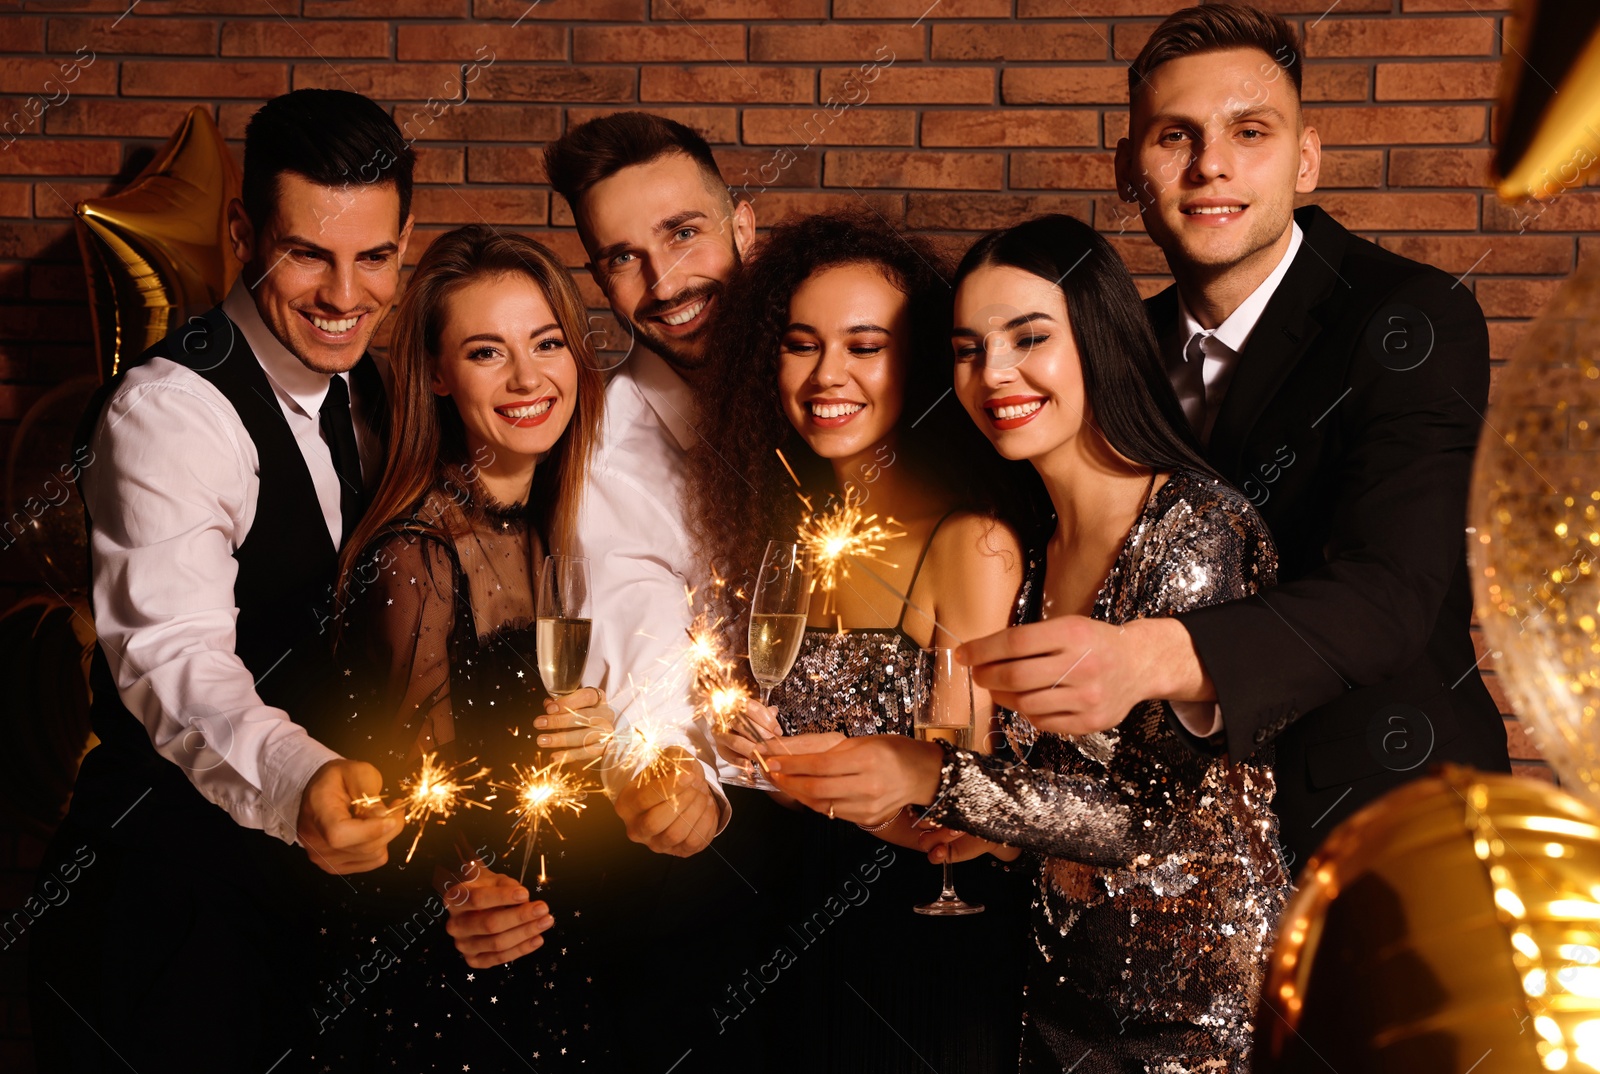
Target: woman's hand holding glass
x=736, y=747
x=866, y=780
x=576, y=727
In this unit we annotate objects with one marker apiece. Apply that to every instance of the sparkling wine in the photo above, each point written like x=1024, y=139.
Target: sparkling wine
x=563, y=646
x=959, y=737
x=774, y=644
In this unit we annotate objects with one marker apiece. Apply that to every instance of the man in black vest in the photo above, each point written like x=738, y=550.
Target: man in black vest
x=231, y=462
x=1342, y=388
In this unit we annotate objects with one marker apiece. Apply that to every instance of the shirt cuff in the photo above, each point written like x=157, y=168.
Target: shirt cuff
x=1203, y=719
x=285, y=773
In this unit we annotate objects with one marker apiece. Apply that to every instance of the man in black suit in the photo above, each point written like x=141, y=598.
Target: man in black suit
x=1341, y=387
x=232, y=461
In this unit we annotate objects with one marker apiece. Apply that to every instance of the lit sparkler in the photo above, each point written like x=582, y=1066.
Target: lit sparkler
x=438, y=790
x=840, y=534
x=540, y=792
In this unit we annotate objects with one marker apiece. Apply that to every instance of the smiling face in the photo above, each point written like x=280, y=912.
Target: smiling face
x=504, y=361
x=1017, y=366
x=843, y=360
x=663, y=244
x=1215, y=154
x=328, y=265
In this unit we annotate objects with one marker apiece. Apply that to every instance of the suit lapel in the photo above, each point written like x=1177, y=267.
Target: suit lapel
x=1287, y=328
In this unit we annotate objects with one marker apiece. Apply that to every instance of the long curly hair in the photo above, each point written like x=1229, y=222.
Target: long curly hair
x=739, y=493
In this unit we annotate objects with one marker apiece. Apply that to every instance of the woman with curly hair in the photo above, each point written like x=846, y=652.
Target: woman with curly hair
x=833, y=349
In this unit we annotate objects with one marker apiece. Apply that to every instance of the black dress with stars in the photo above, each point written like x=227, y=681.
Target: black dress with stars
x=437, y=644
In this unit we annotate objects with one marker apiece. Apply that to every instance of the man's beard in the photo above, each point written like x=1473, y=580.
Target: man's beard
x=686, y=353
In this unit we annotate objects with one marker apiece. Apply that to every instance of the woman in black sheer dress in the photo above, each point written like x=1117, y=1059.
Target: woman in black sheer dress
x=451, y=960
x=1158, y=870
x=834, y=349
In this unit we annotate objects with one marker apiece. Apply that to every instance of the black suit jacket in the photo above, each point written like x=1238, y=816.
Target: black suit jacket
x=1351, y=423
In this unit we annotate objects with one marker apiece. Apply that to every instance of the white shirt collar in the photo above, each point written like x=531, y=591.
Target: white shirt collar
x=667, y=394
x=304, y=386
x=1234, y=332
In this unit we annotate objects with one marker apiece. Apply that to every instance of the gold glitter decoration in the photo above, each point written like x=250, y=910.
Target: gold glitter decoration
x=1533, y=533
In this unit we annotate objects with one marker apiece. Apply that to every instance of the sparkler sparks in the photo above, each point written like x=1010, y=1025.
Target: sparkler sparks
x=437, y=791
x=540, y=792
x=840, y=534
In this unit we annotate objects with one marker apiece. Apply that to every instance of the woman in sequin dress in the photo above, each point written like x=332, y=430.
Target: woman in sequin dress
x=847, y=323
x=1159, y=873
x=495, y=406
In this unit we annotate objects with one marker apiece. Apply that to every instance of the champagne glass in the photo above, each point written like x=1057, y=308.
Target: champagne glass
x=945, y=710
x=777, y=627
x=561, y=626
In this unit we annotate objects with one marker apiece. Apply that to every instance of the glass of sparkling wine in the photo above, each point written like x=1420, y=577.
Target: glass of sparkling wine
x=561, y=627
x=945, y=710
x=777, y=626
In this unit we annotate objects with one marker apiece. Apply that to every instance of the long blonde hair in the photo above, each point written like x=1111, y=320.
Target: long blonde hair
x=425, y=429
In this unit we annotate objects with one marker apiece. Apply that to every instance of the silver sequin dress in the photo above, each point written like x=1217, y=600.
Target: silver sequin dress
x=1160, y=878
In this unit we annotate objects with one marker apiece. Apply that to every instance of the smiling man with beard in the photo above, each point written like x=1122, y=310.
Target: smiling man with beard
x=665, y=238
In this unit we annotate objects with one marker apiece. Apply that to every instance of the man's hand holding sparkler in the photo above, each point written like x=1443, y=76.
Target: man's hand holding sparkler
x=340, y=836
x=576, y=727
x=491, y=918
x=670, y=807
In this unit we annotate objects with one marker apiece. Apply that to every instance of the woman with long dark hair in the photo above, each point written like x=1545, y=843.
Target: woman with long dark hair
x=833, y=350
x=1160, y=876
x=495, y=407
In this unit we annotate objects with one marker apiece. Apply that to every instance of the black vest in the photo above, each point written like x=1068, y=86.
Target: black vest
x=287, y=563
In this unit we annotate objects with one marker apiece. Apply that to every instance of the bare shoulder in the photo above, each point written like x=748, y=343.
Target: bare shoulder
x=971, y=542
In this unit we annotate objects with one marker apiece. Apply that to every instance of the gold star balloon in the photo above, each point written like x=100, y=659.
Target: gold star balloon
x=1548, y=132
x=157, y=252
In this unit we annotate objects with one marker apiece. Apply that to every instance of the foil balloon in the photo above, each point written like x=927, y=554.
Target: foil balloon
x=1548, y=133
x=1533, y=537
x=43, y=511
x=157, y=252
x=1451, y=926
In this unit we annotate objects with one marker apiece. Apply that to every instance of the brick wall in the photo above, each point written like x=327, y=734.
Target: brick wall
x=978, y=112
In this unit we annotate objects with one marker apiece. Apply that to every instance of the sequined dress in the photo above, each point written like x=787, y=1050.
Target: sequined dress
x=888, y=989
x=1160, y=878
x=438, y=645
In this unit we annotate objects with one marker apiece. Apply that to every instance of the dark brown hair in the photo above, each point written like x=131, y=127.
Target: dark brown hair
x=334, y=138
x=739, y=493
x=1214, y=28
x=426, y=429
x=602, y=147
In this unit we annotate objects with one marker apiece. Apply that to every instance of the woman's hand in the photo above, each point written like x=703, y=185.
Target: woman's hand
x=858, y=779
x=736, y=747
x=491, y=918
x=947, y=844
x=576, y=727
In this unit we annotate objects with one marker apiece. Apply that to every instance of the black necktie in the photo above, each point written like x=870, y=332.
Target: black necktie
x=340, y=433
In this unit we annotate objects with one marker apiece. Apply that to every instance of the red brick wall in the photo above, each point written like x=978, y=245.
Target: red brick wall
x=988, y=111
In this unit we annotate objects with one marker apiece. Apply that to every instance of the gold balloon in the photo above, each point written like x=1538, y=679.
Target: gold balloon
x=1451, y=926
x=1548, y=134
x=157, y=252
x=1533, y=536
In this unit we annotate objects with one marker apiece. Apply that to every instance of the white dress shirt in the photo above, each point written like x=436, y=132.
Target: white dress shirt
x=641, y=560
x=1201, y=396
x=172, y=492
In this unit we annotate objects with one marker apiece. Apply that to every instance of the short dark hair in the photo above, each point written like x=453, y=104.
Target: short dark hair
x=602, y=147
x=1213, y=28
x=1130, y=399
x=333, y=138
